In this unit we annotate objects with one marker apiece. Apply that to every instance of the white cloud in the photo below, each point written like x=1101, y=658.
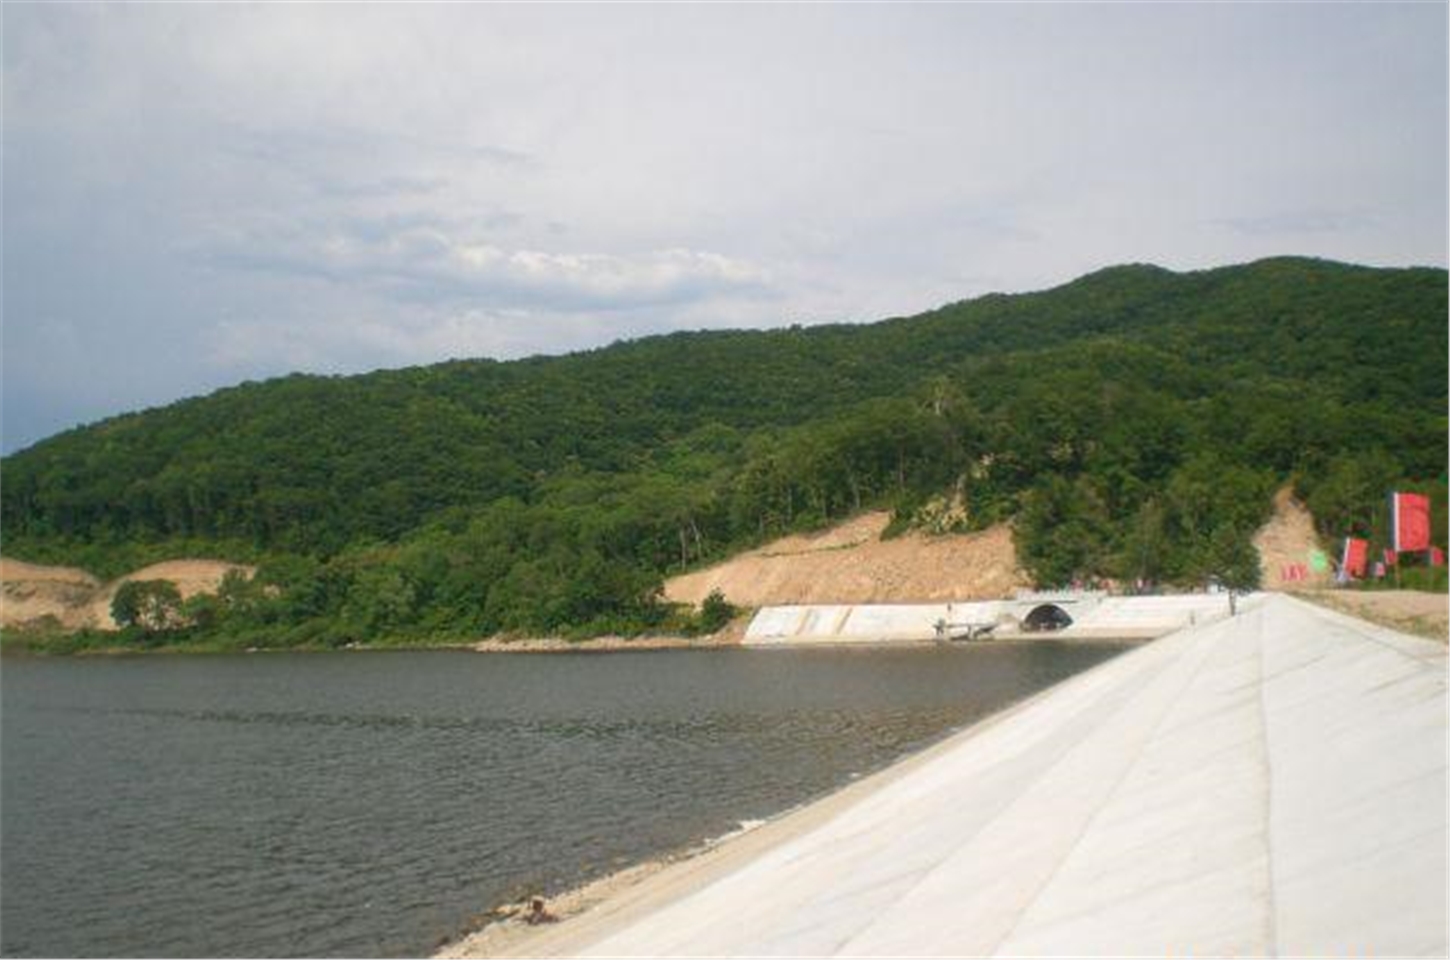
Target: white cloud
x=425, y=263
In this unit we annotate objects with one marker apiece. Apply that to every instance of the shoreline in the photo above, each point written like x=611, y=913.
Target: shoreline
x=17, y=645
x=602, y=644
x=19, y=642
x=556, y=645
x=1416, y=612
x=590, y=910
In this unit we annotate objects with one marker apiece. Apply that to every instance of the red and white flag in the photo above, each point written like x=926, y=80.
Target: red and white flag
x=1409, y=522
x=1354, y=557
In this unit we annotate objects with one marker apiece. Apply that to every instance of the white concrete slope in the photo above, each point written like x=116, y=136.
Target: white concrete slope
x=1271, y=784
x=1093, y=616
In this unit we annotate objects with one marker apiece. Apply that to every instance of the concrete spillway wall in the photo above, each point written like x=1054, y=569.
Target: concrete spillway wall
x=1093, y=615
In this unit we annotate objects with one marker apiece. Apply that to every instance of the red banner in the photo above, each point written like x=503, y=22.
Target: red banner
x=1390, y=558
x=1409, y=521
x=1437, y=557
x=1354, y=557
x=1294, y=572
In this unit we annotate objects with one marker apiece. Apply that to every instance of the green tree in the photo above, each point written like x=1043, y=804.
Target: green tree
x=715, y=612
x=1145, y=551
x=151, y=605
x=1233, y=561
x=1063, y=533
x=204, y=611
x=1350, y=498
x=381, y=600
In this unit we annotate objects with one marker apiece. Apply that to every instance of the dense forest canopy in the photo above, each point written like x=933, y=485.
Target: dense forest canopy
x=1133, y=423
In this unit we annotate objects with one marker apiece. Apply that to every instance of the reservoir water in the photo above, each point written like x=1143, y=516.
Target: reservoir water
x=373, y=804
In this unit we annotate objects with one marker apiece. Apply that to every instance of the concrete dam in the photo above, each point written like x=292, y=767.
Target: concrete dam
x=1266, y=784
x=1087, y=615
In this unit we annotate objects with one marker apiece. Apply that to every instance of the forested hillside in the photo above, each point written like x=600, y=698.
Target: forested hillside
x=1134, y=422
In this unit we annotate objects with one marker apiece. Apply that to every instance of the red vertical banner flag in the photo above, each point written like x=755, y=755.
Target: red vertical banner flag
x=1437, y=557
x=1354, y=557
x=1409, y=522
x=1390, y=557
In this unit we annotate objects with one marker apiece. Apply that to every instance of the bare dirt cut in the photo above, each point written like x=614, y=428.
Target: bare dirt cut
x=850, y=563
x=1286, y=542
x=73, y=599
x=30, y=593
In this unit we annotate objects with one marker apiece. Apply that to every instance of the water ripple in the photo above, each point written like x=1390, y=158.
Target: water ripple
x=367, y=805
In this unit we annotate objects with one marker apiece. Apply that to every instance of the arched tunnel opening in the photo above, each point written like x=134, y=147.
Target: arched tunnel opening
x=1047, y=617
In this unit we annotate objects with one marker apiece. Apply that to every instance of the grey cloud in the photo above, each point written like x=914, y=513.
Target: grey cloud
x=211, y=192
x=377, y=229
x=1299, y=222
x=340, y=164
x=299, y=146
x=389, y=186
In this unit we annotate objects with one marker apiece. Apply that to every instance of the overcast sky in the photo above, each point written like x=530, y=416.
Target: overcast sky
x=196, y=195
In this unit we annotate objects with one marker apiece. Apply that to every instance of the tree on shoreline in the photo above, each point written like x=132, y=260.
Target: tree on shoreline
x=153, y=606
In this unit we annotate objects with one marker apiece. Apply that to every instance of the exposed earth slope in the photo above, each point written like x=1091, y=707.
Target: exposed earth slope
x=1287, y=545
x=850, y=563
x=31, y=593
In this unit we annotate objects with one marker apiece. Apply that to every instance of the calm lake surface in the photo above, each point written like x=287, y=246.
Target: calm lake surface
x=367, y=804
